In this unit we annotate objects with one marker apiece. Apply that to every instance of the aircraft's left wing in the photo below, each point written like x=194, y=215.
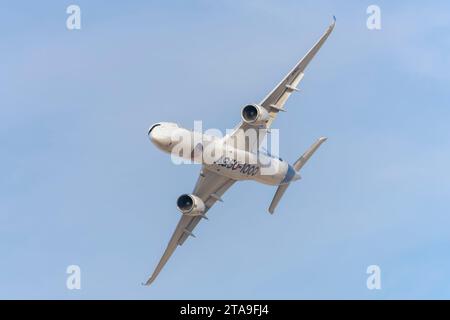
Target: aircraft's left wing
x=210, y=187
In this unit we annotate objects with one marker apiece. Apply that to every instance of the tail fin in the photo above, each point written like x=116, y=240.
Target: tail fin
x=297, y=166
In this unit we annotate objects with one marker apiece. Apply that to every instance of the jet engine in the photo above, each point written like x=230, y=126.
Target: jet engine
x=190, y=205
x=254, y=114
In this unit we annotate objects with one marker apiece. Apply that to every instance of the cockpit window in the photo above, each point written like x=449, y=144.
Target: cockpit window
x=153, y=127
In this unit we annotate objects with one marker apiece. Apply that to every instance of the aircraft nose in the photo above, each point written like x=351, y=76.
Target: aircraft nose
x=151, y=132
x=158, y=137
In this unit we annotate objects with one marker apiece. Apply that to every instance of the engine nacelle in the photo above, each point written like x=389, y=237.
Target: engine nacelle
x=254, y=114
x=190, y=205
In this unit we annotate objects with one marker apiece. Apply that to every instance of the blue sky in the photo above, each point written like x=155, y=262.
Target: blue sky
x=81, y=183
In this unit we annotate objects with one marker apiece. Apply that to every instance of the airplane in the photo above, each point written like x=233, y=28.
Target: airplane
x=217, y=176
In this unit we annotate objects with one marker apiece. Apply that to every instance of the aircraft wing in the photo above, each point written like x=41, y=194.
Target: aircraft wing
x=275, y=100
x=210, y=187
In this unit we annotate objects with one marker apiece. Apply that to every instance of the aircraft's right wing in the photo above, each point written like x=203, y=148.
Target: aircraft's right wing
x=274, y=102
x=210, y=187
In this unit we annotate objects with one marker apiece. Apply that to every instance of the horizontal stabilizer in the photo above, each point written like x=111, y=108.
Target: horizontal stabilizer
x=305, y=157
x=277, y=197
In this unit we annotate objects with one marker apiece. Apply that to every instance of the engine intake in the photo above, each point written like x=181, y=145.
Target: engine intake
x=254, y=114
x=190, y=205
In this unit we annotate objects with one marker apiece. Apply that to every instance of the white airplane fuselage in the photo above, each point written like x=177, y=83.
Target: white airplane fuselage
x=227, y=161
